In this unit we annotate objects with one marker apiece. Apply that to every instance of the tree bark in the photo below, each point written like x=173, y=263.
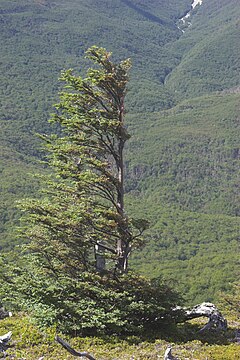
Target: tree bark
x=122, y=244
x=100, y=257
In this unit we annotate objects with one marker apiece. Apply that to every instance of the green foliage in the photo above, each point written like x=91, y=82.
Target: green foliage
x=220, y=52
x=83, y=203
x=209, y=51
x=191, y=162
x=16, y=180
x=179, y=243
x=185, y=181
x=87, y=303
x=231, y=300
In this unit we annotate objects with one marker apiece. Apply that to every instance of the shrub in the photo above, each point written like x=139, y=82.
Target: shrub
x=90, y=303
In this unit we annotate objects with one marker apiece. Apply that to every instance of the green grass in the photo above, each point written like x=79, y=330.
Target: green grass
x=28, y=342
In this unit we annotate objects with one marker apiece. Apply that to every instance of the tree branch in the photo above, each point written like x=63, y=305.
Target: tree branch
x=72, y=351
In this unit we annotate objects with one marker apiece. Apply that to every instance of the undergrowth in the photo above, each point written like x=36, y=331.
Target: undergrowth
x=30, y=343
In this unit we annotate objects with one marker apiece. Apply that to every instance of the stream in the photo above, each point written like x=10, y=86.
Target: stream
x=184, y=21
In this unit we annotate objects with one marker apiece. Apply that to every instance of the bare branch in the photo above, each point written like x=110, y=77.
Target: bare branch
x=168, y=354
x=72, y=351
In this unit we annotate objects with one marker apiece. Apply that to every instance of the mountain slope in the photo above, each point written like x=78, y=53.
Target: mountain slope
x=16, y=181
x=185, y=181
x=182, y=163
x=212, y=64
x=189, y=155
x=39, y=38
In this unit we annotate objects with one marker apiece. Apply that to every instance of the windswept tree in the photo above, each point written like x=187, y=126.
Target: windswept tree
x=83, y=207
x=74, y=272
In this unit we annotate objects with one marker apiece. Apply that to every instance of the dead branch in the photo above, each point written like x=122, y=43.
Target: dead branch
x=168, y=354
x=4, y=339
x=72, y=351
x=216, y=320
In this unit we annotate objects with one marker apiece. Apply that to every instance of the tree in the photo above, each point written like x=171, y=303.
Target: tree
x=84, y=204
x=79, y=223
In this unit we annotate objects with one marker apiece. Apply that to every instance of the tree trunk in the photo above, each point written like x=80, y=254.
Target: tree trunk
x=121, y=243
x=100, y=257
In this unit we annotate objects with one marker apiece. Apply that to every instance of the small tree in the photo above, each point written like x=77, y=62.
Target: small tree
x=84, y=204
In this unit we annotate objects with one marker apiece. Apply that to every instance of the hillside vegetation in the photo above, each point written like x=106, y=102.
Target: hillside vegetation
x=182, y=163
x=38, y=39
x=186, y=179
x=188, y=154
x=210, y=48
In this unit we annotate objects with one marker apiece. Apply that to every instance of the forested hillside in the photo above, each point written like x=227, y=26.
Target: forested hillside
x=211, y=59
x=182, y=162
x=38, y=39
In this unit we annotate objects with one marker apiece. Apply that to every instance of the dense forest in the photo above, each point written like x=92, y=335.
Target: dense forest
x=182, y=111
